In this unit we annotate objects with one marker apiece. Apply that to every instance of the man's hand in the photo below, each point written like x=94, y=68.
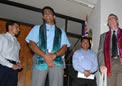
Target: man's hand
x=87, y=73
x=103, y=68
x=16, y=66
x=49, y=60
x=53, y=56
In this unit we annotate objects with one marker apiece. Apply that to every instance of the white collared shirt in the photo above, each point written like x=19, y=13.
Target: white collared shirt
x=9, y=49
x=115, y=32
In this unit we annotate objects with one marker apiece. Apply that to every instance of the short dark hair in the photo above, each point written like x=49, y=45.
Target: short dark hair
x=82, y=38
x=48, y=7
x=113, y=15
x=10, y=23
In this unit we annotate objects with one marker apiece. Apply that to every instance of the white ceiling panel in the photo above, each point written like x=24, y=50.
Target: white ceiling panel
x=65, y=7
x=20, y=14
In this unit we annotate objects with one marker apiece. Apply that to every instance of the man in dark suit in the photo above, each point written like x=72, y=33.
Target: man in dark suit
x=110, y=52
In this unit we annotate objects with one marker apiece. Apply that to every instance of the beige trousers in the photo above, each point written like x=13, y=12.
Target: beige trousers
x=116, y=78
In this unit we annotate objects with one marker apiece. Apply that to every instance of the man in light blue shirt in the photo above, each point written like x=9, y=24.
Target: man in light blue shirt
x=49, y=43
x=85, y=62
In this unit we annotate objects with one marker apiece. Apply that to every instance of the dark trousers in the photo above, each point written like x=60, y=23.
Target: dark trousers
x=83, y=82
x=8, y=76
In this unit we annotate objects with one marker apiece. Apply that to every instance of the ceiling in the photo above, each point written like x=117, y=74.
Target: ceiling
x=74, y=8
x=24, y=11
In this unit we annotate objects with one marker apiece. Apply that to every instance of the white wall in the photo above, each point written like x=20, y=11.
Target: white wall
x=94, y=24
x=107, y=7
x=97, y=19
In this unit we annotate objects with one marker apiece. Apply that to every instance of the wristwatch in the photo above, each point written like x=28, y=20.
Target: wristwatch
x=56, y=54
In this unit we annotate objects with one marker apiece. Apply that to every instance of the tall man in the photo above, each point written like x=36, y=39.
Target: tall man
x=110, y=52
x=9, y=55
x=85, y=63
x=49, y=43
